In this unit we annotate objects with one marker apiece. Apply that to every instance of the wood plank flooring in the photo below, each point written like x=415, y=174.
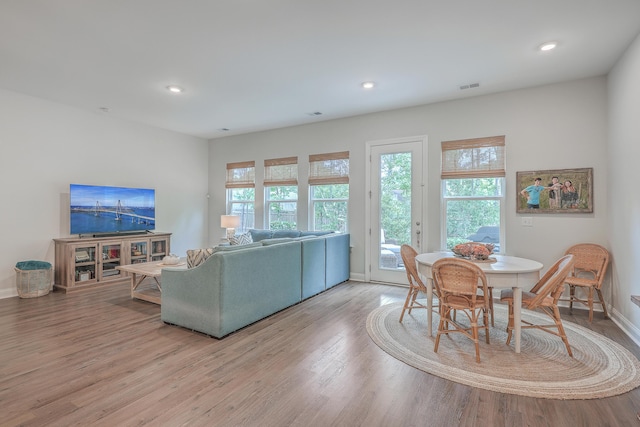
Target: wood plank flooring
x=103, y=359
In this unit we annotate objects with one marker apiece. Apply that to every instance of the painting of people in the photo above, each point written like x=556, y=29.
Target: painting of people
x=555, y=191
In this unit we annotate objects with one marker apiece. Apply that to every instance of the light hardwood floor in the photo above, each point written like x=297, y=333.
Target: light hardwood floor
x=104, y=359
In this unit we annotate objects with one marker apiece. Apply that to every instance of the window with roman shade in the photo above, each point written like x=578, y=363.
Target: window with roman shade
x=329, y=168
x=473, y=182
x=240, y=185
x=329, y=191
x=473, y=158
x=281, y=193
x=283, y=171
x=241, y=175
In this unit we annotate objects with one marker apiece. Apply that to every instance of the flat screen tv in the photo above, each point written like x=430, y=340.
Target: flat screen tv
x=96, y=209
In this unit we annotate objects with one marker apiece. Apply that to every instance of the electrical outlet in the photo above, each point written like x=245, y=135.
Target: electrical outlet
x=527, y=221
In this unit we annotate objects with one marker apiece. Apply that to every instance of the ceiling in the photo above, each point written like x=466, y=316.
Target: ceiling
x=252, y=65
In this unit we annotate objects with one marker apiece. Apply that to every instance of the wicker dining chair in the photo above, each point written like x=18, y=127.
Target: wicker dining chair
x=458, y=283
x=416, y=285
x=589, y=268
x=544, y=297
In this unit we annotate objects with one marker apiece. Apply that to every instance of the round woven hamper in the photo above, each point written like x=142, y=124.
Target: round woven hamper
x=33, y=278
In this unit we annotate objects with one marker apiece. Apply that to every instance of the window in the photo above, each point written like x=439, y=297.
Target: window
x=329, y=191
x=473, y=173
x=281, y=193
x=241, y=194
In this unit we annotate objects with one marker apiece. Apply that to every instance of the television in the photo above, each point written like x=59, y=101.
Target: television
x=96, y=209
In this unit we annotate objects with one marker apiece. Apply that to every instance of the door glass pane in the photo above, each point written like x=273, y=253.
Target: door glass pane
x=395, y=208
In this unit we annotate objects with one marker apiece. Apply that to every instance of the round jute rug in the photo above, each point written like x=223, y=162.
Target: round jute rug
x=599, y=368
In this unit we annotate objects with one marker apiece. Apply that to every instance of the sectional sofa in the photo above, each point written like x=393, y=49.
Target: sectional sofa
x=239, y=285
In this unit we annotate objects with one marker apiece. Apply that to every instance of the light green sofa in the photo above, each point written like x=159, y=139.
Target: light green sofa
x=238, y=286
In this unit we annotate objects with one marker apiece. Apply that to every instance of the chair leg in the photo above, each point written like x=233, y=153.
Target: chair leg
x=561, y=332
x=604, y=306
x=413, y=299
x=572, y=295
x=408, y=303
x=476, y=341
x=485, y=318
x=590, y=303
x=491, y=306
x=444, y=314
x=510, y=323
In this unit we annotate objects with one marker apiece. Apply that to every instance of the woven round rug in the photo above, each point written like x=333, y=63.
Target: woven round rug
x=600, y=367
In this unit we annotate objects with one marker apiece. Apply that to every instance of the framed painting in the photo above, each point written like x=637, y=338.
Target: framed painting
x=555, y=191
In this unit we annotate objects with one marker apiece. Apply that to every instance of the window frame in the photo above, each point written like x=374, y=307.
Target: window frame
x=463, y=159
x=280, y=172
x=240, y=175
x=268, y=202
x=312, y=204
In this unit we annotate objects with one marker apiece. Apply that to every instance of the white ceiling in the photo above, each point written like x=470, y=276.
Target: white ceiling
x=251, y=65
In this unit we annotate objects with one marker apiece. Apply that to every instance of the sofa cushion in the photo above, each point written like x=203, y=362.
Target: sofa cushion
x=274, y=241
x=257, y=235
x=195, y=257
x=241, y=239
x=236, y=247
x=315, y=233
x=285, y=233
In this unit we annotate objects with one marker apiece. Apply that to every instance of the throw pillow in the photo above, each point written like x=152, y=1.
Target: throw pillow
x=195, y=257
x=241, y=239
x=257, y=235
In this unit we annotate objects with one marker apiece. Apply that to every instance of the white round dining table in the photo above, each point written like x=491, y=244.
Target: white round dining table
x=506, y=272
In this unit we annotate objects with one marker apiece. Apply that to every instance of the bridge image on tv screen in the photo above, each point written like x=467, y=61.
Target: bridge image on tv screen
x=101, y=209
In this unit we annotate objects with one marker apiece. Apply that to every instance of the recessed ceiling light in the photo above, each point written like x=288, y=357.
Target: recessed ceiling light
x=175, y=89
x=368, y=85
x=545, y=47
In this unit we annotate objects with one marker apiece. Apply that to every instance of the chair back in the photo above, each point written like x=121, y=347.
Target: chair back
x=408, y=255
x=590, y=259
x=457, y=282
x=552, y=283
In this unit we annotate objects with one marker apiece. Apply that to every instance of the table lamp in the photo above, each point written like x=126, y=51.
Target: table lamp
x=230, y=222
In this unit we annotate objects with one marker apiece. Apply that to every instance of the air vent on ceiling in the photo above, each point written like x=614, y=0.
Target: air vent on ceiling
x=470, y=86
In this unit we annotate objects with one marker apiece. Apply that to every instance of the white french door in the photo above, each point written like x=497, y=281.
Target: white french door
x=394, y=206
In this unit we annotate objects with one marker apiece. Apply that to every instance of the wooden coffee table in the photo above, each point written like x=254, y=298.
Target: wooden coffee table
x=140, y=271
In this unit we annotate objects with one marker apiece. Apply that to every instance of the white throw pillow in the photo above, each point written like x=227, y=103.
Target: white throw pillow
x=241, y=239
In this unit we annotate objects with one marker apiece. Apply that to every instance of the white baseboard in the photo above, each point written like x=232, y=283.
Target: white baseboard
x=356, y=277
x=627, y=327
x=8, y=293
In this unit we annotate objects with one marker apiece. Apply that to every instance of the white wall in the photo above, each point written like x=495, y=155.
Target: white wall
x=623, y=195
x=46, y=146
x=551, y=127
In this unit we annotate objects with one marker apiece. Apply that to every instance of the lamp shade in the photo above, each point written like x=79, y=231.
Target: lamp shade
x=229, y=221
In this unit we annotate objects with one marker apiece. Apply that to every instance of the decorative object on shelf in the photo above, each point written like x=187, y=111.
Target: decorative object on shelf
x=473, y=251
x=171, y=259
x=557, y=191
x=230, y=222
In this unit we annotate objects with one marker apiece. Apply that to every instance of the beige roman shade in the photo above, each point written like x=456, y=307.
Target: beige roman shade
x=241, y=175
x=473, y=158
x=329, y=168
x=283, y=171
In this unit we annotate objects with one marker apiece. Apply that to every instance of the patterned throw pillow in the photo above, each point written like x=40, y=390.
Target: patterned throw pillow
x=195, y=257
x=241, y=239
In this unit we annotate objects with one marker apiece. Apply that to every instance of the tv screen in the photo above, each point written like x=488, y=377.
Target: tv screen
x=98, y=209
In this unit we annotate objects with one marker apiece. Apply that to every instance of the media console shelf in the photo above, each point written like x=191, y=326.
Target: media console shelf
x=85, y=263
